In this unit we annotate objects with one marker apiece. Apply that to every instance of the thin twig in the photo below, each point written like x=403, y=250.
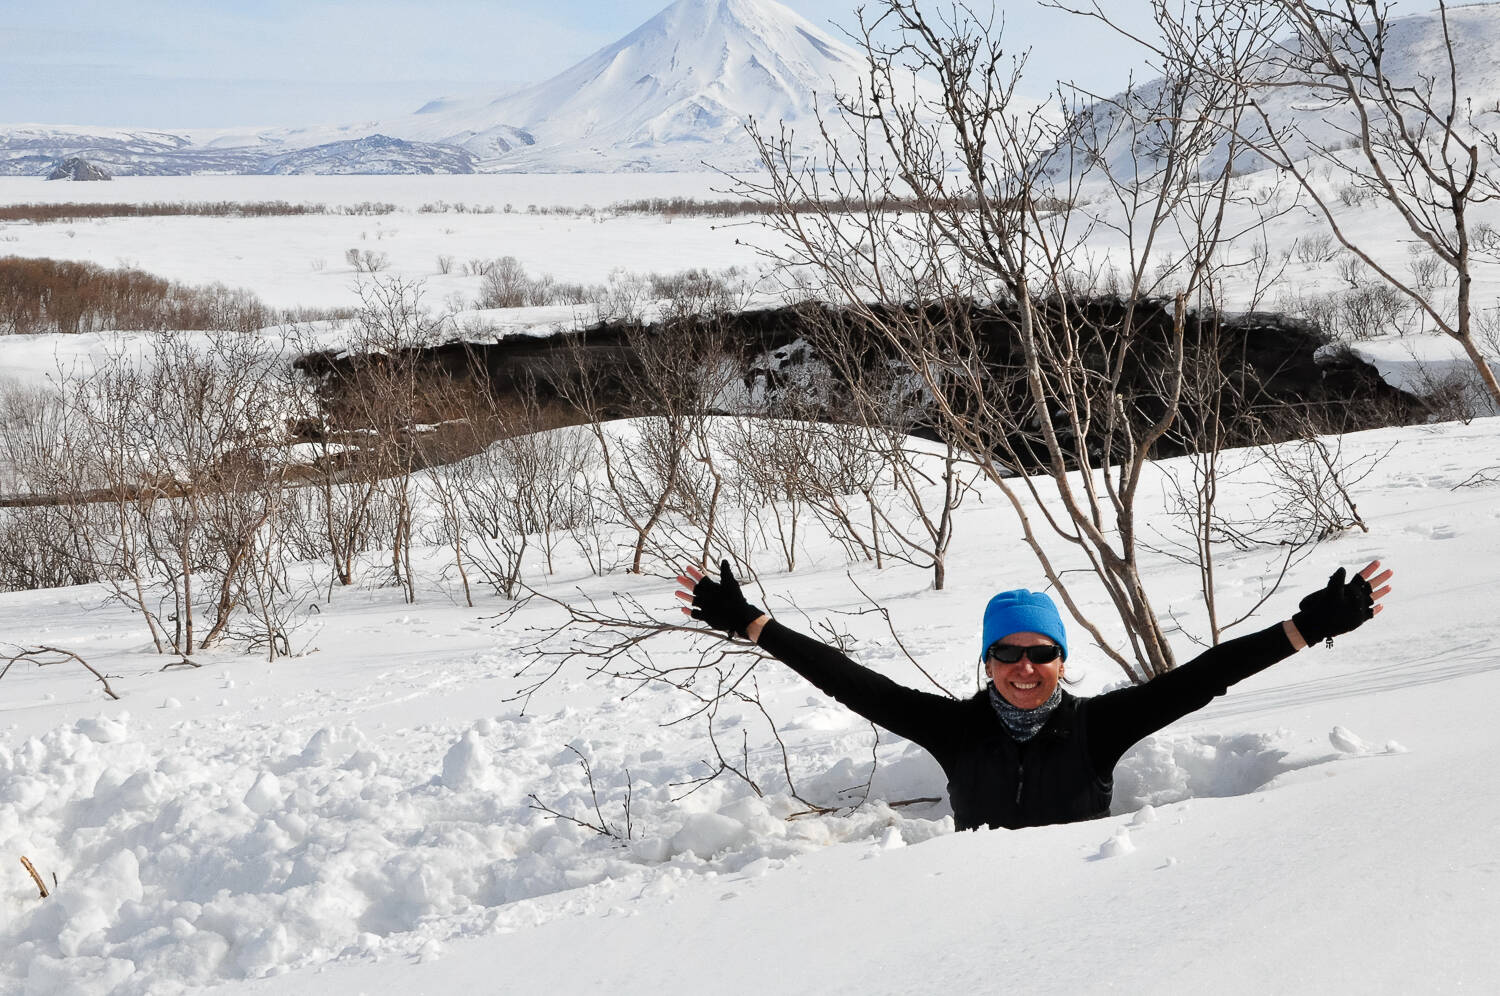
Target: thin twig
x=32, y=656
x=886, y=615
x=41, y=886
x=602, y=827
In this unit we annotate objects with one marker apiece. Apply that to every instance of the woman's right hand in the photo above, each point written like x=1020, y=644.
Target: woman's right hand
x=718, y=603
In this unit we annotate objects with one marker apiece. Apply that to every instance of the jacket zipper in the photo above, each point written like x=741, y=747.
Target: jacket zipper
x=1020, y=779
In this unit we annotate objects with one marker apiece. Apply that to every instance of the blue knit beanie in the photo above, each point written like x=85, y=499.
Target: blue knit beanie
x=1022, y=611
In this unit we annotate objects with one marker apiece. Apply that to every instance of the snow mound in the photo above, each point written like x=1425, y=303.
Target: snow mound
x=1171, y=767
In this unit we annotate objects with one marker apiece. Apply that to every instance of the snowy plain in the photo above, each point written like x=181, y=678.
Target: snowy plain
x=360, y=818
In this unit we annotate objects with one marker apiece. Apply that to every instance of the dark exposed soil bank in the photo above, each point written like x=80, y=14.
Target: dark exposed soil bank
x=1280, y=387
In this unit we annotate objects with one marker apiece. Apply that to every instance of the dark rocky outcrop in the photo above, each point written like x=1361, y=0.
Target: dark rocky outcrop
x=1283, y=380
x=78, y=168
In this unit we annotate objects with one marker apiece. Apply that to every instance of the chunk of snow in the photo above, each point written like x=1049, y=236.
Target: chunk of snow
x=467, y=764
x=1117, y=845
x=708, y=834
x=101, y=730
x=1347, y=741
x=264, y=795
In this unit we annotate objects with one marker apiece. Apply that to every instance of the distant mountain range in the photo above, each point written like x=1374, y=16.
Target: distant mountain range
x=673, y=94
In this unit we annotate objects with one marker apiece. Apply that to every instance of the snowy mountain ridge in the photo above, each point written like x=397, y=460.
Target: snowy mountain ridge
x=670, y=95
x=677, y=89
x=675, y=94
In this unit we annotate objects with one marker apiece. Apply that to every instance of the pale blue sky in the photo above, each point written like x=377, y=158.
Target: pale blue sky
x=181, y=63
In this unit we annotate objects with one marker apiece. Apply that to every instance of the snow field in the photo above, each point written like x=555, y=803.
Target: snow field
x=299, y=261
x=487, y=190
x=366, y=809
x=359, y=819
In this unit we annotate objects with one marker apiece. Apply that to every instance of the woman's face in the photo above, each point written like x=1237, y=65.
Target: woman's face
x=1023, y=684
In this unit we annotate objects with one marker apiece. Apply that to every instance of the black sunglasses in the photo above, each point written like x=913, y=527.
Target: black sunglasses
x=1009, y=653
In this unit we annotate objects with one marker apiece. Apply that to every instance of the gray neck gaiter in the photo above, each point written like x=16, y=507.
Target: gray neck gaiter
x=1023, y=724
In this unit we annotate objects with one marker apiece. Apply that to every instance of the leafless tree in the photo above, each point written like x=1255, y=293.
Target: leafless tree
x=345, y=491
x=1409, y=139
x=991, y=243
x=165, y=474
x=659, y=474
x=394, y=396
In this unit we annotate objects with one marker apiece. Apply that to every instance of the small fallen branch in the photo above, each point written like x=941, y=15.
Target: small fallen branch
x=603, y=827
x=34, y=655
x=41, y=886
x=1480, y=478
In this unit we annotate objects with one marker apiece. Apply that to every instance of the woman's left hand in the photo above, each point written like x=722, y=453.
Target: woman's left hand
x=1342, y=606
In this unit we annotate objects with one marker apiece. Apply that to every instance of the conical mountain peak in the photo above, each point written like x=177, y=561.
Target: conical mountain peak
x=675, y=91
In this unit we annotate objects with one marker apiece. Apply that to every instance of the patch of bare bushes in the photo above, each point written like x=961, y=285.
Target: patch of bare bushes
x=77, y=211
x=47, y=295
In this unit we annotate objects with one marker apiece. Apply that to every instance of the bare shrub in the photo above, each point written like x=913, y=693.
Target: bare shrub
x=1451, y=394
x=164, y=476
x=1318, y=248
x=1353, y=195
x=624, y=298
x=76, y=211
x=1314, y=484
x=1372, y=310
x=45, y=295
x=394, y=397
x=1353, y=270
x=1427, y=270
x=38, y=550
x=506, y=285
x=522, y=489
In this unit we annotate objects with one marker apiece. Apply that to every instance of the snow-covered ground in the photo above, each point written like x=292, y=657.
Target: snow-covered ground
x=362, y=817
x=299, y=261
x=359, y=818
x=492, y=190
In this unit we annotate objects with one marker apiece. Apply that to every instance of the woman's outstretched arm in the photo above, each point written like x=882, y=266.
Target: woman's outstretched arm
x=921, y=717
x=1121, y=718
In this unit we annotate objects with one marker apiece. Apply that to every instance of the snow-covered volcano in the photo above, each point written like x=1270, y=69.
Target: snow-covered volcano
x=673, y=92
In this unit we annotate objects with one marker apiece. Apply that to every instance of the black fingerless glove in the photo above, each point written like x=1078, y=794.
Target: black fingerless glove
x=721, y=605
x=1338, y=608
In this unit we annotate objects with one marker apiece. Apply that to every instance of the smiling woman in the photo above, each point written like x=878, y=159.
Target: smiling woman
x=1022, y=751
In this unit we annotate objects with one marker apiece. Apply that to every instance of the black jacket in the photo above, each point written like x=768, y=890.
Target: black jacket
x=1063, y=774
